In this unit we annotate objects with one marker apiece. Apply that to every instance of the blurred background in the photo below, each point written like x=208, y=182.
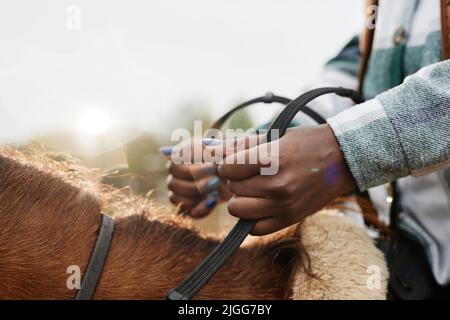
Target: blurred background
x=109, y=81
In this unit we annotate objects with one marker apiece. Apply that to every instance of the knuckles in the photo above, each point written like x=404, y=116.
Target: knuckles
x=280, y=187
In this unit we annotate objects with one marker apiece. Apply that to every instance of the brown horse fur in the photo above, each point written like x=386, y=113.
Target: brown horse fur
x=50, y=217
x=49, y=220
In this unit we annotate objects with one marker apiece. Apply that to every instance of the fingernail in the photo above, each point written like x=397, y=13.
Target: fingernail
x=211, y=203
x=213, y=183
x=213, y=194
x=211, y=142
x=210, y=170
x=166, y=150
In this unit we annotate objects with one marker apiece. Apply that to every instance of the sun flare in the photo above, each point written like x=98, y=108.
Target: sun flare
x=94, y=121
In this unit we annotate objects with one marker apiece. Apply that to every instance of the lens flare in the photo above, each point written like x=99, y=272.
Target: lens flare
x=94, y=121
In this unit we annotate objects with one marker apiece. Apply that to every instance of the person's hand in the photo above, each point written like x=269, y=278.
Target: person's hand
x=312, y=173
x=195, y=188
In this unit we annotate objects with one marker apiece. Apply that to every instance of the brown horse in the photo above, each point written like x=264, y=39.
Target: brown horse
x=50, y=217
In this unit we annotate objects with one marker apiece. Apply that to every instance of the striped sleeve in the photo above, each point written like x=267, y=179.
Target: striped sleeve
x=347, y=60
x=404, y=131
x=340, y=71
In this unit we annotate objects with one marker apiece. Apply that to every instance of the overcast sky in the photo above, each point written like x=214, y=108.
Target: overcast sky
x=141, y=60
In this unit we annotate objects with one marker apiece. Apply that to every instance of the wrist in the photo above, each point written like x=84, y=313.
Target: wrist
x=336, y=160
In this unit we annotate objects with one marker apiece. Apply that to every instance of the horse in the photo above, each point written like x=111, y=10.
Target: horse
x=50, y=209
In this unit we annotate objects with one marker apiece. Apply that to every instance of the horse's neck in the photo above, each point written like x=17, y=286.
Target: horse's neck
x=49, y=228
x=147, y=263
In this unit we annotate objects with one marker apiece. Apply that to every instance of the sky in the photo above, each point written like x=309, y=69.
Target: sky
x=137, y=63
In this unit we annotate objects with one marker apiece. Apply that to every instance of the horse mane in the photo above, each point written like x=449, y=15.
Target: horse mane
x=52, y=174
x=51, y=204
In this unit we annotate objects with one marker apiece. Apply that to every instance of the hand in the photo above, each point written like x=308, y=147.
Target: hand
x=312, y=173
x=195, y=188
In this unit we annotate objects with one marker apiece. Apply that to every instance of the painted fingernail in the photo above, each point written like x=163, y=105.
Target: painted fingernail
x=213, y=183
x=211, y=203
x=214, y=194
x=211, y=142
x=166, y=150
x=210, y=170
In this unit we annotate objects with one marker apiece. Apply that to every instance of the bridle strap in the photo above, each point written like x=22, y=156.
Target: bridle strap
x=284, y=119
x=216, y=259
x=213, y=262
x=96, y=263
x=268, y=98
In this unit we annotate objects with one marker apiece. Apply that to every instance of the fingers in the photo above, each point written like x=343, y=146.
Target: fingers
x=251, y=208
x=195, y=207
x=241, y=165
x=193, y=188
x=247, y=163
x=255, y=186
x=181, y=171
x=270, y=216
x=268, y=226
x=224, y=193
x=182, y=187
x=185, y=203
x=190, y=151
x=211, y=152
x=189, y=183
x=203, y=208
x=192, y=172
x=219, y=150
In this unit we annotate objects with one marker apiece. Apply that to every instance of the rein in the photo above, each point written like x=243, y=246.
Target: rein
x=268, y=98
x=226, y=249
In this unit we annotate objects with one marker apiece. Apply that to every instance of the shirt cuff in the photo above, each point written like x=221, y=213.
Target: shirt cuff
x=370, y=144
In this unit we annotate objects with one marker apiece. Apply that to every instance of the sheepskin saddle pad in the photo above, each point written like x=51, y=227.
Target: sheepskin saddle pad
x=343, y=259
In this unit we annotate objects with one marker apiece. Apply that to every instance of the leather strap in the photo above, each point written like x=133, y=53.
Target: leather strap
x=445, y=20
x=366, y=44
x=268, y=98
x=213, y=262
x=96, y=263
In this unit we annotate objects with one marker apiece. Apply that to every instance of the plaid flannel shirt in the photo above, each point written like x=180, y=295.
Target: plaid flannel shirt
x=403, y=131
